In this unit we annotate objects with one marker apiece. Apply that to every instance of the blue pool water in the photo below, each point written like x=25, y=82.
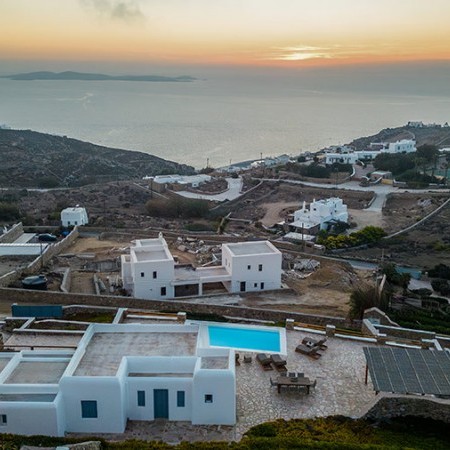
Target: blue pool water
x=244, y=338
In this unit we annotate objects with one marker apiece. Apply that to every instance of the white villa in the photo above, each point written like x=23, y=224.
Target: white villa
x=319, y=216
x=150, y=272
x=119, y=372
x=347, y=156
x=71, y=217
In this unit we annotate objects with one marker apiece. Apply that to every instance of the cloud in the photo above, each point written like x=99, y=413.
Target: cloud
x=123, y=10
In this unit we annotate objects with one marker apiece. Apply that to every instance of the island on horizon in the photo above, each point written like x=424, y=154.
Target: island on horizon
x=81, y=76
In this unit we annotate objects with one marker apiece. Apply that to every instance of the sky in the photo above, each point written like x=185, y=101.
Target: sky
x=248, y=33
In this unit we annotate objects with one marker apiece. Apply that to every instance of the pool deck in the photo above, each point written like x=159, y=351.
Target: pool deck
x=340, y=390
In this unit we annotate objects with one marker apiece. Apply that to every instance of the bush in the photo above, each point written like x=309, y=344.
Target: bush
x=440, y=271
x=366, y=297
x=177, y=207
x=48, y=182
x=440, y=285
x=8, y=212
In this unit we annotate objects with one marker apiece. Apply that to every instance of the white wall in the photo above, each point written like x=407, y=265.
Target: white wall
x=109, y=394
x=270, y=274
x=147, y=286
x=31, y=418
x=148, y=384
x=222, y=385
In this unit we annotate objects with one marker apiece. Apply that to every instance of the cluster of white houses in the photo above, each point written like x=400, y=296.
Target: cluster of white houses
x=118, y=372
x=346, y=155
x=149, y=270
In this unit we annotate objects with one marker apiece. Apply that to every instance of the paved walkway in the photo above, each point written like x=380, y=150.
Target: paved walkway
x=233, y=191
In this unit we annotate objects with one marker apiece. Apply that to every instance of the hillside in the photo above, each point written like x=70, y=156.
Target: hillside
x=31, y=159
x=439, y=136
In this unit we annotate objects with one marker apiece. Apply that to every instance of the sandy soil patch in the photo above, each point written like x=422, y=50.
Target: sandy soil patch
x=364, y=218
x=275, y=212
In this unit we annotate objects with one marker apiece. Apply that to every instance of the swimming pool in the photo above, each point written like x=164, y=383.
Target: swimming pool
x=245, y=338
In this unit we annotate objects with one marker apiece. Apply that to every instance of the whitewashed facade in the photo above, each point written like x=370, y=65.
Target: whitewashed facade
x=350, y=157
x=150, y=272
x=119, y=372
x=319, y=215
x=72, y=217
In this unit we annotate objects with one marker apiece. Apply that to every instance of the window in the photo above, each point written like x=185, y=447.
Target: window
x=262, y=285
x=141, y=398
x=180, y=399
x=255, y=285
x=3, y=419
x=76, y=222
x=89, y=409
x=249, y=267
x=163, y=291
x=260, y=267
x=208, y=398
x=142, y=274
x=155, y=275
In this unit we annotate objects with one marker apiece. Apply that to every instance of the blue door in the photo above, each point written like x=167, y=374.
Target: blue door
x=161, y=403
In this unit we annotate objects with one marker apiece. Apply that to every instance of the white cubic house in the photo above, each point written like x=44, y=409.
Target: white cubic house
x=348, y=156
x=71, y=217
x=150, y=272
x=320, y=215
x=118, y=372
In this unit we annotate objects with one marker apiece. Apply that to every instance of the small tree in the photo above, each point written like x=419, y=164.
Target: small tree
x=365, y=297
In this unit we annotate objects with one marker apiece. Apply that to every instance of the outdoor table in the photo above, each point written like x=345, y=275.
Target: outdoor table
x=293, y=381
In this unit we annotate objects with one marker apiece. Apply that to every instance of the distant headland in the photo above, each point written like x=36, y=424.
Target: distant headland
x=80, y=76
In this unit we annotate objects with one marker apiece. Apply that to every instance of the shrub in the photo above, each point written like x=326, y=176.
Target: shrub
x=8, y=212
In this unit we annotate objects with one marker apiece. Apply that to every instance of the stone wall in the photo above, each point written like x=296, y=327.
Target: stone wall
x=390, y=405
x=12, y=234
x=37, y=264
x=25, y=296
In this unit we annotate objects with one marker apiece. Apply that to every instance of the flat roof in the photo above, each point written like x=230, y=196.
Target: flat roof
x=37, y=372
x=191, y=274
x=409, y=370
x=27, y=398
x=151, y=255
x=251, y=248
x=4, y=361
x=105, y=351
x=214, y=362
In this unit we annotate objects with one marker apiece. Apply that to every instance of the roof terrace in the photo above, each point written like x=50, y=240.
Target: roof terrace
x=105, y=350
x=37, y=372
x=251, y=248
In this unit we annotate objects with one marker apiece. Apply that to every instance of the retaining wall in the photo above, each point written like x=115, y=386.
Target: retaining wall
x=12, y=234
x=390, y=406
x=25, y=296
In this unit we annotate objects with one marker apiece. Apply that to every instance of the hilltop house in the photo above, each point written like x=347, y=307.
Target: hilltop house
x=150, y=272
x=71, y=217
x=320, y=215
x=118, y=372
x=375, y=148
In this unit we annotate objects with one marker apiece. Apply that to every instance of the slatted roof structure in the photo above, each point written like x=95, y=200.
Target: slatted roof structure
x=409, y=370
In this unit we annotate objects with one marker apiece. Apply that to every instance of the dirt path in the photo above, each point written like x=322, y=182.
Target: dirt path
x=273, y=210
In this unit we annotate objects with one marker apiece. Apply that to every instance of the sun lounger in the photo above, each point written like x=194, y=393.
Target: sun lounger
x=310, y=342
x=264, y=360
x=277, y=360
x=312, y=352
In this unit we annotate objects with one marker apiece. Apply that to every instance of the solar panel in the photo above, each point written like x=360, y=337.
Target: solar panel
x=409, y=371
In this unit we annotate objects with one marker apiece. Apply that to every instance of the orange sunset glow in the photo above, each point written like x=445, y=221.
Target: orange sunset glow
x=237, y=32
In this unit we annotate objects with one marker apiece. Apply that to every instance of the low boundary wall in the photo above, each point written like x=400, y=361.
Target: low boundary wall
x=12, y=234
x=25, y=296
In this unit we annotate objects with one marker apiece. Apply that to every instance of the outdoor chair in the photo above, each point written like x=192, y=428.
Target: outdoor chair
x=247, y=358
x=236, y=359
x=278, y=362
x=272, y=382
x=312, y=352
x=264, y=360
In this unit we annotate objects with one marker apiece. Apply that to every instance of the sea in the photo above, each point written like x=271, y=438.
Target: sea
x=228, y=117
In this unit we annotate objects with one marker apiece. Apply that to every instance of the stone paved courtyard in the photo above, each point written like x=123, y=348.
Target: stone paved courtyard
x=340, y=390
